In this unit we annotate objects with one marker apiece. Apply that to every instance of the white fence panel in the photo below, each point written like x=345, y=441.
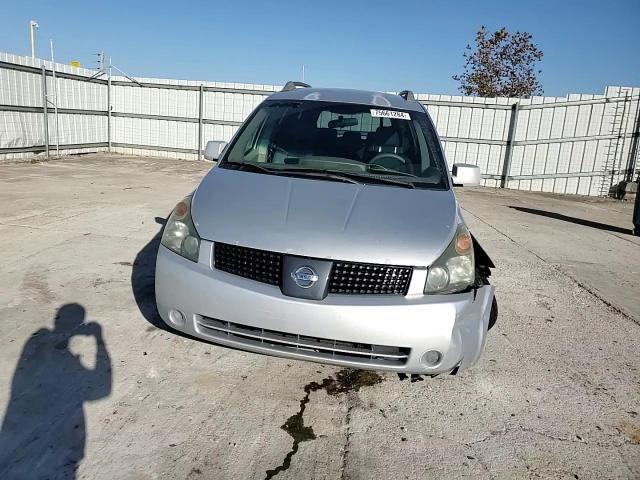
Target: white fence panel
x=582, y=144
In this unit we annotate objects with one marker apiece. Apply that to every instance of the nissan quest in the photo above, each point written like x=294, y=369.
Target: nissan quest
x=329, y=230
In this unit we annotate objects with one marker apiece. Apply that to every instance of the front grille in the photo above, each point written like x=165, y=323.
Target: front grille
x=312, y=347
x=259, y=265
x=366, y=278
x=345, y=278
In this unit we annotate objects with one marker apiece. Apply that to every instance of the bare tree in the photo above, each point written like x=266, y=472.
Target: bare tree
x=501, y=65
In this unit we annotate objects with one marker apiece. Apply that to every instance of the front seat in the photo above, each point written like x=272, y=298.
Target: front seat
x=387, y=140
x=350, y=145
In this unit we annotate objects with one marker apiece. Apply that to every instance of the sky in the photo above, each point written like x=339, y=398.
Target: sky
x=389, y=46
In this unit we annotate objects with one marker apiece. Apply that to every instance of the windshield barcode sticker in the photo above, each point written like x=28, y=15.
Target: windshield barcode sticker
x=390, y=114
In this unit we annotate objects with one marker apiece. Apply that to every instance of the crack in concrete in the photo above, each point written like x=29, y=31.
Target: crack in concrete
x=507, y=431
x=522, y=429
x=482, y=463
x=347, y=442
x=345, y=381
x=558, y=269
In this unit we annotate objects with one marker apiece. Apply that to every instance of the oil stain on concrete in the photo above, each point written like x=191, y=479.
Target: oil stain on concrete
x=346, y=380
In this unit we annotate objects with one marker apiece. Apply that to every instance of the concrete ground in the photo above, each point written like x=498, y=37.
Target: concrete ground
x=91, y=387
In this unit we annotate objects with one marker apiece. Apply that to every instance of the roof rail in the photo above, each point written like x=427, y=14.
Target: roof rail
x=293, y=85
x=407, y=95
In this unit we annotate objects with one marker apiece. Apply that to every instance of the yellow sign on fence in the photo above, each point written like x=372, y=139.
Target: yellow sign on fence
x=75, y=63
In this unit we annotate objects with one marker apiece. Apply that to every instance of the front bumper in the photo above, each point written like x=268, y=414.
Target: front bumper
x=340, y=330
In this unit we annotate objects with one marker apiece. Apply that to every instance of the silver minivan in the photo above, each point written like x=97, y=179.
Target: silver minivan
x=329, y=231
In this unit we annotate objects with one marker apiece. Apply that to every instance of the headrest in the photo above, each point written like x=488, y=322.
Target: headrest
x=386, y=137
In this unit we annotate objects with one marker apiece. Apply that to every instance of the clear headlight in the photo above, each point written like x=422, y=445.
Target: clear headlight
x=180, y=234
x=455, y=269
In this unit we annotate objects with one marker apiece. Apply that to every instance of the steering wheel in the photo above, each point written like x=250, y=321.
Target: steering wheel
x=397, y=161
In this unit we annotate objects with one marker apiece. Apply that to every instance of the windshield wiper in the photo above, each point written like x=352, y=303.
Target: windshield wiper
x=306, y=172
x=312, y=173
x=251, y=167
x=364, y=178
x=336, y=175
x=353, y=177
x=373, y=167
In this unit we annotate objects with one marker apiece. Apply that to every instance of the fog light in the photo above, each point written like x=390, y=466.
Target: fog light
x=176, y=317
x=431, y=358
x=191, y=245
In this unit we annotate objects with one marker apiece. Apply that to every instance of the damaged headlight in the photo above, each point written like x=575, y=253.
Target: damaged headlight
x=180, y=234
x=454, y=271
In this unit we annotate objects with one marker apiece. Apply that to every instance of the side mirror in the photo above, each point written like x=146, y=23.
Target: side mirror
x=213, y=149
x=465, y=174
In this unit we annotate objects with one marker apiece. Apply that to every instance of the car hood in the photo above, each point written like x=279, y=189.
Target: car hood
x=325, y=219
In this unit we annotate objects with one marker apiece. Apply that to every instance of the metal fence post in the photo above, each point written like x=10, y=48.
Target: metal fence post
x=44, y=111
x=508, y=149
x=109, y=109
x=633, y=151
x=636, y=215
x=200, y=95
x=55, y=98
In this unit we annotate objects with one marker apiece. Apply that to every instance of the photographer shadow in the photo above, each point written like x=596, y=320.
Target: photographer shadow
x=43, y=432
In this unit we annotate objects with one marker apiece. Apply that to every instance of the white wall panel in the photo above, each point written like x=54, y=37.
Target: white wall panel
x=21, y=129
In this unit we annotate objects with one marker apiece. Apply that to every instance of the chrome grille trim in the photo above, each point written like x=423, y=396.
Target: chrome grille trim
x=308, y=346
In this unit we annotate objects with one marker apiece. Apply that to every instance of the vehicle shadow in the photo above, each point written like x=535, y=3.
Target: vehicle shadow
x=577, y=221
x=143, y=285
x=43, y=432
x=143, y=274
x=143, y=282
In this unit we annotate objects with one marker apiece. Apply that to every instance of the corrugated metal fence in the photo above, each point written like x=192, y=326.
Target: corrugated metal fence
x=581, y=144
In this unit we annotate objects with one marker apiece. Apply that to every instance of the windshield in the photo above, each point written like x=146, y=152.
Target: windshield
x=336, y=138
